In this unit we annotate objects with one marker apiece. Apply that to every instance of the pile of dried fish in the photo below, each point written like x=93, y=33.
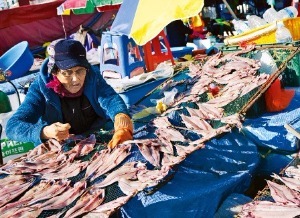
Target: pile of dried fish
x=42, y=180
x=234, y=75
x=285, y=193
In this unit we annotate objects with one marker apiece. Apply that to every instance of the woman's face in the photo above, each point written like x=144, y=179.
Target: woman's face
x=72, y=79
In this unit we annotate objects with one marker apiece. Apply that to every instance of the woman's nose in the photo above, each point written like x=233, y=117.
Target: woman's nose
x=74, y=77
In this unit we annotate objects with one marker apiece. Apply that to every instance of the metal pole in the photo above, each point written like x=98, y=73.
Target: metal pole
x=230, y=10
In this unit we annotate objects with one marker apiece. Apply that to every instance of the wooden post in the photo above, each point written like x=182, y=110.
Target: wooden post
x=292, y=130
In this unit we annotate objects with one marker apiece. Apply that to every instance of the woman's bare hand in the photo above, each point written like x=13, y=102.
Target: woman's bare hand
x=58, y=131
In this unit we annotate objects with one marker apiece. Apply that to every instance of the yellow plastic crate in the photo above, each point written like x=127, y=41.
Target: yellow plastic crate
x=265, y=34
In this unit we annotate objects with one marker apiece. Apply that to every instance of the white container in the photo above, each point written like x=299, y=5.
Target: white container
x=255, y=21
x=240, y=26
x=288, y=12
x=271, y=15
x=282, y=34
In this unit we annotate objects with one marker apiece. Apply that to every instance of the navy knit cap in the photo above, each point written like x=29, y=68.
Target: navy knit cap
x=70, y=53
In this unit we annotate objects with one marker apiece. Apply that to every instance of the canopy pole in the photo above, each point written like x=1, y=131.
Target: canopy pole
x=230, y=10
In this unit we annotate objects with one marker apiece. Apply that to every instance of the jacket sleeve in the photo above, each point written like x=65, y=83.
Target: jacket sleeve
x=25, y=125
x=109, y=100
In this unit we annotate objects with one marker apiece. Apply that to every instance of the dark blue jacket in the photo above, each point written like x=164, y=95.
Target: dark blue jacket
x=177, y=33
x=41, y=106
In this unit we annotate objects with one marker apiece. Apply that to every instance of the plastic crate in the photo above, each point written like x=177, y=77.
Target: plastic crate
x=265, y=34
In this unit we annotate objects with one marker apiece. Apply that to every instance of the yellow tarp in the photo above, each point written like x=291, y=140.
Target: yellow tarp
x=153, y=15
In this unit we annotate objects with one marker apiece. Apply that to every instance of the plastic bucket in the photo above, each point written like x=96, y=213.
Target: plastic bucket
x=18, y=60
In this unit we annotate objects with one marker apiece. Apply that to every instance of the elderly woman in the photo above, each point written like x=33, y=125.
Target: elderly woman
x=68, y=97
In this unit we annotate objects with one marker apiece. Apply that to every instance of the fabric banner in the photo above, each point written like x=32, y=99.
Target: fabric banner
x=28, y=13
x=36, y=31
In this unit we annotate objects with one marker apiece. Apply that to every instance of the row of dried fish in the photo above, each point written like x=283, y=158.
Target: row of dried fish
x=285, y=191
x=235, y=75
x=131, y=177
x=170, y=147
x=242, y=71
x=48, y=160
x=57, y=193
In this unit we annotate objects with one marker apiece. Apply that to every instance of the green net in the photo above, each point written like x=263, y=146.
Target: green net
x=280, y=53
x=286, y=58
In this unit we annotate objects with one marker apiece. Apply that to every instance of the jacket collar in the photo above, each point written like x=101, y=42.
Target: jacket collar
x=49, y=94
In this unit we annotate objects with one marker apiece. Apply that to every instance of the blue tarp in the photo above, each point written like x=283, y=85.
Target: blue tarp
x=275, y=144
x=203, y=180
x=232, y=205
x=268, y=131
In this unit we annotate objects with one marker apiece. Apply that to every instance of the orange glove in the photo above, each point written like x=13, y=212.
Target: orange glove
x=123, y=130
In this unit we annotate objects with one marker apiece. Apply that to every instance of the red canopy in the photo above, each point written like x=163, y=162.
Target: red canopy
x=40, y=23
x=28, y=13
